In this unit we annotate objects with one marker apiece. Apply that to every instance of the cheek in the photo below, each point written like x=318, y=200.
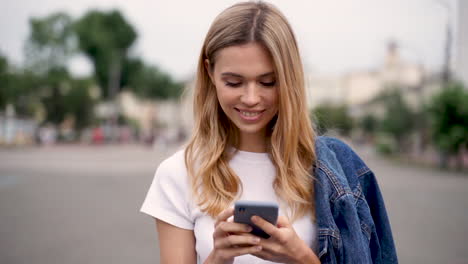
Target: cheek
x=273, y=98
x=226, y=95
x=224, y=98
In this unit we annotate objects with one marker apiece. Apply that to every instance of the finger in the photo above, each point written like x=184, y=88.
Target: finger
x=265, y=225
x=235, y=252
x=263, y=254
x=224, y=228
x=270, y=246
x=224, y=215
x=282, y=221
x=236, y=240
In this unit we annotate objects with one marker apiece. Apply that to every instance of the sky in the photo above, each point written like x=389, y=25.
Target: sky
x=335, y=36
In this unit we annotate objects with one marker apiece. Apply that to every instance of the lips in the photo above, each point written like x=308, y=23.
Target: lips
x=250, y=115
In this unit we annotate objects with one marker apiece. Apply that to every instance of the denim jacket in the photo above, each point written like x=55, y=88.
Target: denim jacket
x=352, y=223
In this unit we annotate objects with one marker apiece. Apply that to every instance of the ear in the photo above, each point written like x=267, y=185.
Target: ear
x=209, y=70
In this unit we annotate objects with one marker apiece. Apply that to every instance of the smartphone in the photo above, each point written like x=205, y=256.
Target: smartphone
x=244, y=210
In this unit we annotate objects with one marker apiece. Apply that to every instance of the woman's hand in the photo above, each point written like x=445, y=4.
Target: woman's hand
x=231, y=240
x=284, y=245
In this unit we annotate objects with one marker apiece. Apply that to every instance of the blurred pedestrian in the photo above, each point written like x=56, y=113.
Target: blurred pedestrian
x=98, y=135
x=48, y=134
x=253, y=140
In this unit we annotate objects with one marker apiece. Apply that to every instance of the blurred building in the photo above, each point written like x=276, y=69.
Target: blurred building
x=322, y=88
x=461, y=58
x=15, y=130
x=161, y=118
x=357, y=89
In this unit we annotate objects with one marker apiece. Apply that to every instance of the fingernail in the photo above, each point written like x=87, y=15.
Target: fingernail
x=254, y=218
x=258, y=248
x=256, y=240
x=248, y=229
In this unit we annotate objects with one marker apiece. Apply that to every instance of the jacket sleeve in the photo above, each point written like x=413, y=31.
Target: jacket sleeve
x=351, y=236
x=370, y=206
x=383, y=237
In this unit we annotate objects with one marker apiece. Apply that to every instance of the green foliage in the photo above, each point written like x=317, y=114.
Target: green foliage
x=369, y=123
x=105, y=38
x=17, y=88
x=48, y=47
x=45, y=86
x=56, y=84
x=24, y=86
x=149, y=82
x=398, y=120
x=55, y=92
x=4, y=82
x=330, y=117
x=385, y=144
x=79, y=104
x=63, y=96
x=449, y=118
x=50, y=43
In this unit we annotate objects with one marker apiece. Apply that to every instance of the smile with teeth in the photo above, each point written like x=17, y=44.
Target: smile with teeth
x=250, y=114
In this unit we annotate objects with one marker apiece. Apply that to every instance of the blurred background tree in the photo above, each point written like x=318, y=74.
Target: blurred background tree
x=50, y=43
x=79, y=104
x=398, y=118
x=106, y=37
x=4, y=80
x=149, y=82
x=17, y=89
x=330, y=117
x=63, y=96
x=448, y=111
x=54, y=86
x=369, y=124
x=45, y=92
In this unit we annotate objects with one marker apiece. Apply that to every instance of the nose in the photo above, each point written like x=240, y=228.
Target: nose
x=250, y=95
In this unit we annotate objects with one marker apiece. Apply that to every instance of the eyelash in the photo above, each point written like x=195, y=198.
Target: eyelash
x=266, y=84
x=233, y=84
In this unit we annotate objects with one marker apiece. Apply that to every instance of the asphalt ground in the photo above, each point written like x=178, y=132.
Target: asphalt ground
x=80, y=204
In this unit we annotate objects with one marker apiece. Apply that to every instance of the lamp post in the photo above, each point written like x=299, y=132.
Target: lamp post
x=446, y=71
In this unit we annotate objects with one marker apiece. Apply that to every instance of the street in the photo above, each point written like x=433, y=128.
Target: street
x=80, y=204
x=428, y=210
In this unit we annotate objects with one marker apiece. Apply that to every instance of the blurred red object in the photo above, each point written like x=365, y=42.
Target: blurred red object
x=98, y=135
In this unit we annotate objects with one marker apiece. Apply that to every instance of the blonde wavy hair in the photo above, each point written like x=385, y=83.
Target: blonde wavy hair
x=291, y=139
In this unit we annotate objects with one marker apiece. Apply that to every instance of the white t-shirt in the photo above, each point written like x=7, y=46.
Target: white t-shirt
x=169, y=199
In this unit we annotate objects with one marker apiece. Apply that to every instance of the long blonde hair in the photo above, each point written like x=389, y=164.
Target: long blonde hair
x=291, y=139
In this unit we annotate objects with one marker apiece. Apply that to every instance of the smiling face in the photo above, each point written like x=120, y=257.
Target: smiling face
x=247, y=91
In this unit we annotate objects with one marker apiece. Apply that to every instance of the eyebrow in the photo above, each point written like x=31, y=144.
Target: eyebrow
x=240, y=76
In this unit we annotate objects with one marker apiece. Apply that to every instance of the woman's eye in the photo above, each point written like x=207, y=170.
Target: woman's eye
x=233, y=84
x=269, y=84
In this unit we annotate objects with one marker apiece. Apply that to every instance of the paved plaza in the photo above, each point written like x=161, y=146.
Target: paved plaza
x=80, y=204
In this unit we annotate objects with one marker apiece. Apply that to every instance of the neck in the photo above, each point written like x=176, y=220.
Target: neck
x=253, y=142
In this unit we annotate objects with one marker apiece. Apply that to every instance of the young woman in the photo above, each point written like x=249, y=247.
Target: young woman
x=253, y=140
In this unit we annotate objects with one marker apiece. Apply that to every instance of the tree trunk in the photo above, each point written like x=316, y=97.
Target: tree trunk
x=443, y=159
x=115, y=70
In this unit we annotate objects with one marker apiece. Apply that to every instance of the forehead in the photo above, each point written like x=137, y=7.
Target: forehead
x=251, y=59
